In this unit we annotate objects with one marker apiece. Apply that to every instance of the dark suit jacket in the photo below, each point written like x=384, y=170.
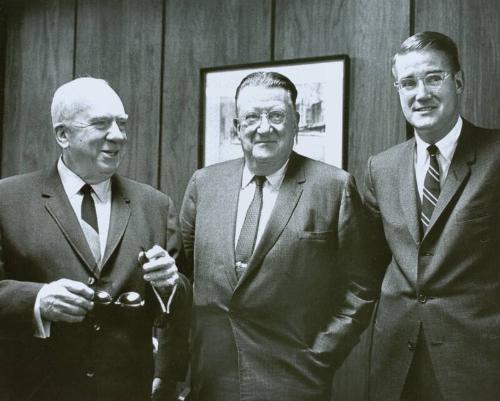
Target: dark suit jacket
x=449, y=280
x=278, y=333
x=109, y=355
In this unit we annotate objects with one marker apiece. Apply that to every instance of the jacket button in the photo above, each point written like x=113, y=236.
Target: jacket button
x=90, y=374
x=91, y=281
x=97, y=327
x=411, y=346
x=422, y=298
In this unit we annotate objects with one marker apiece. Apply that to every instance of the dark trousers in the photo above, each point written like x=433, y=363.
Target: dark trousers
x=421, y=383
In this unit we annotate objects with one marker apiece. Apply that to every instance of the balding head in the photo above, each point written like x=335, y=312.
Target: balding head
x=75, y=96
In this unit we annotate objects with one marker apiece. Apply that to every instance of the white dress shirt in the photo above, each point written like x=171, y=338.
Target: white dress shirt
x=270, y=191
x=446, y=146
x=72, y=185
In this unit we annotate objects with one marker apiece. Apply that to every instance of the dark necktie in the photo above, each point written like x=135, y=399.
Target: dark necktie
x=248, y=233
x=89, y=214
x=90, y=229
x=431, y=188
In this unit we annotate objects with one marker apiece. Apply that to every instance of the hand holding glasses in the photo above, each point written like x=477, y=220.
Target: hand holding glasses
x=159, y=269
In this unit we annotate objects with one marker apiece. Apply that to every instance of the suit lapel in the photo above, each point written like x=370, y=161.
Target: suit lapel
x=227, y=211
x=459, y=170
x=120, y=214
x=408, y=190
x=288, y=196
x=60, y=209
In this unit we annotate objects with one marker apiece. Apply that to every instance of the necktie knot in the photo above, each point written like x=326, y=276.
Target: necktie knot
x=259, y=180
x=433, y=150
x=86, y=190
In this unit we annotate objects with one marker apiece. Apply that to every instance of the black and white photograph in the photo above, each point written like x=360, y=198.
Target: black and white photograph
x=249, y=200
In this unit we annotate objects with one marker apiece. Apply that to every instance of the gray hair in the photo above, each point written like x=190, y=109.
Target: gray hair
x=70, y=98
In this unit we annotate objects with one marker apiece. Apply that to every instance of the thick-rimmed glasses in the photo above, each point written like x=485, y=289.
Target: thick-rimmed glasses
x=432, y=81
x=253, y=118
x=129, y=300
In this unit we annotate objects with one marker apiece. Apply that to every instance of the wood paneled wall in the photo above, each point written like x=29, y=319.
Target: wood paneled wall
x=151, y=52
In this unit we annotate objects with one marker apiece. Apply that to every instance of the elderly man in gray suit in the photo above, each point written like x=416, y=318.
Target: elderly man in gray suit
x=434, y=203
x=282, y=282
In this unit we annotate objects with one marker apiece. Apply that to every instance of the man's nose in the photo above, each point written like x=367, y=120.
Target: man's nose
x=421, y=90
x=115, y=134
x=264, y=126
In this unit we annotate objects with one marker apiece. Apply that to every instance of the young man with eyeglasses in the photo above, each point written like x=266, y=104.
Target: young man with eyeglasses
x=282, y=283
x=434, y=207
x=77, y=306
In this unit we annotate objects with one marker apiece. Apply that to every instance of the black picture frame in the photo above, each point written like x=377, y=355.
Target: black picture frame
x=322, y=101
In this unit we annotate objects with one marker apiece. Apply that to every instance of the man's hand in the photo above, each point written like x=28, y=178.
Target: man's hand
x=65, y=300
x=159, y=269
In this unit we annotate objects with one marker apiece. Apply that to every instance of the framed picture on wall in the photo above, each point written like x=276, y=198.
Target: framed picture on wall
x=322, y=85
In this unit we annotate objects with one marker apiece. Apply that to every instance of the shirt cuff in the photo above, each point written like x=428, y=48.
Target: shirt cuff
x=42, y=327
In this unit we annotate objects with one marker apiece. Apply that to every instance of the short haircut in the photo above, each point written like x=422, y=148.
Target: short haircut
x=429, y=40
x=69, y=98
x=267, y=80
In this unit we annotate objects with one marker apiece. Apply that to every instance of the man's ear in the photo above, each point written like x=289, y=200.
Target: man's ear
x=459, y=81
x=61, y=134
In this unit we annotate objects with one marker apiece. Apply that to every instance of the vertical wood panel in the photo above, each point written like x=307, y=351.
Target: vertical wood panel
x=121, y=41
x=475, y=28
x=369, y=32
x=202, y=33
x=39, y=57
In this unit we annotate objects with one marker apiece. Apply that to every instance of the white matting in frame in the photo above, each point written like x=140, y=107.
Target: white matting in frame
x=321, y=102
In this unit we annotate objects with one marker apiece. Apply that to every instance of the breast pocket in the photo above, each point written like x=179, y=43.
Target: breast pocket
x=316, y=235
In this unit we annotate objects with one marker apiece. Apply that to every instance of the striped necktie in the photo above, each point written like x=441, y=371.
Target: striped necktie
x=431, y=188
x=248, y=233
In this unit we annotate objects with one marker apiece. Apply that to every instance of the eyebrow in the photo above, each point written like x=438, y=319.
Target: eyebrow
x=427, y=73
x=109, y=117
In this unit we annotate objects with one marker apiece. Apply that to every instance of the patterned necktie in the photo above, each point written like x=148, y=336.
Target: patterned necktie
x=431, y=188
x=89, y=216
x=248, y=233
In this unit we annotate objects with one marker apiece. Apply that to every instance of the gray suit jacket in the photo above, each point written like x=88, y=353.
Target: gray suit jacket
x=449, y=280
x=278, y=333
x=109, y=355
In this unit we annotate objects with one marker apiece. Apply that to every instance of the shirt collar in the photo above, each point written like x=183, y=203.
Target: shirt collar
x=446, y=145
x=72, y=183
x=275, y=179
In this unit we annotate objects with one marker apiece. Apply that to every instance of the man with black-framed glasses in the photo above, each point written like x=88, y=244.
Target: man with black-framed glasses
x=88, y=265
x=434, y=206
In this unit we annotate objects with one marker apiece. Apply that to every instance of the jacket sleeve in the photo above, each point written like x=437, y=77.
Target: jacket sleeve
x=17, y=298
x=188, y=224
x=360, y=281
